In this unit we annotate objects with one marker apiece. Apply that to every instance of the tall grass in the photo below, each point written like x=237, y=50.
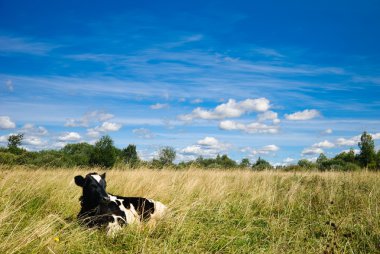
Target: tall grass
x=210, y=212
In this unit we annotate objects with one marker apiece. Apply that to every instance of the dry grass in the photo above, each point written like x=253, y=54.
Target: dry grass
x=210, y=212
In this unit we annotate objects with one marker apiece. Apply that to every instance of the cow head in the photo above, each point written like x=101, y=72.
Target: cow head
x=94, y=189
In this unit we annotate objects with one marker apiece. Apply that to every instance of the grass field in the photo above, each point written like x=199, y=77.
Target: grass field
x=210, y=212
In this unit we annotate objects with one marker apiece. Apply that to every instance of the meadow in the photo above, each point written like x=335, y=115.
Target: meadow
x=211, y=211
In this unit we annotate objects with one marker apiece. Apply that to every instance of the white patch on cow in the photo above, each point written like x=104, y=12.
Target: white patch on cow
x=130, y=214
x=97, y=178
x=114, y=226
x=159, y=210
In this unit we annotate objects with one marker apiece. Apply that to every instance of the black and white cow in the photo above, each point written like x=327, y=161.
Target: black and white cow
x=101, y=208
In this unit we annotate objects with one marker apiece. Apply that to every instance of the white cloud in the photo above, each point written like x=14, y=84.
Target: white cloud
x=9, y=85
x=376, y=136
x=10, y=44
x=207, y=147
x=327, y=131
x=4, y=139
x=228, y=110
x=92, y=133
x=33, y=141
x=254, y=127
x=159, y=106
x=312, y=151
x=143, y=133
x=266, y=150
x=288, y=160
x=197, y=101
x=6, y=123
x=87, y=118
x=307, y=114
x=69, y=136
x=29, y=128
x=268, y=115
x=105, y=127
x=348, y=142
x=324, y=144
x=108, y=126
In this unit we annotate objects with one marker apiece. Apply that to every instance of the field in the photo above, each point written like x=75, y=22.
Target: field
x=210, y=212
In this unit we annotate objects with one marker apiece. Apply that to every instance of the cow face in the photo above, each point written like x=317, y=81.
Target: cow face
x=94, y=189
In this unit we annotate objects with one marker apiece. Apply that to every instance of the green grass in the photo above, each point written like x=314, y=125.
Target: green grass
x=210, y=212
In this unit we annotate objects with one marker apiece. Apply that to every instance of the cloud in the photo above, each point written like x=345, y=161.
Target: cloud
x=288, y=160
x=375, y=136
x=143, y=133
x=33, y=141
x=6, y=123
x=69, y=136
x=253, y=127
x=307, y=114
x=324, y=144
x=87, y=118
x=312, y=151
x=268, y=115
x=348, y=142
x=228, y=110
x=207, y=147
x=10, y=45
x=327, y=131
x=108, y=126
x=196, y=101
x=4, y=138
x=159, y=106
x=32, y=130
x=266, y=150
x=9, y=85
x=104, y=127
x=92, y=133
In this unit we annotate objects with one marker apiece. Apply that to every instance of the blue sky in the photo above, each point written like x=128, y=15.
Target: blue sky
x=279, y=80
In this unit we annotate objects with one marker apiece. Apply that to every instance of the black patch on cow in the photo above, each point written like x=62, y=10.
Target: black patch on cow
x=143, y=206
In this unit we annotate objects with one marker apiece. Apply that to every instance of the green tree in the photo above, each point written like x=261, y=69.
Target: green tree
x=378, y=160
x=104, y=153
x=367, y=150
x=130, y=156
x=167, y=155
x=14, y=141
x=79, y=154
x=306, y=164
x=245, y=163
x=225, y=162
x=261, y=164
x=346, y=156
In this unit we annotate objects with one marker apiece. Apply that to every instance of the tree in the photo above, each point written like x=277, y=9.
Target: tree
x=306, y=164
x=14, y=141
x=245, y=163
x=378, y=160
x=346, y=156
x=167, y=155
x=80, y=153
x=367, y=150
x=261, y=164
x=130, y=156
x=225, y=162
x=322, y=158
x=104, y=153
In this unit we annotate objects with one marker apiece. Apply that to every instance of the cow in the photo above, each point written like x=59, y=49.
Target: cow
x=100, y=208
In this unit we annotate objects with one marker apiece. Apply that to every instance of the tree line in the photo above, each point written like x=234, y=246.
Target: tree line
x=104, y=154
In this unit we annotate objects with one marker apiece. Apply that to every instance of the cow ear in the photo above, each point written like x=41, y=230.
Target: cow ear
x=103, y=176
x=79, y=180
